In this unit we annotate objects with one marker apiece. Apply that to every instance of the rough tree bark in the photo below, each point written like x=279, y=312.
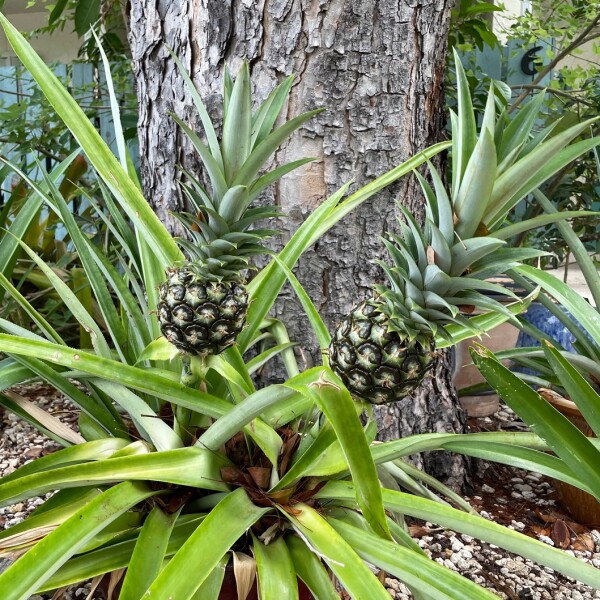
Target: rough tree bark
x=378, y=68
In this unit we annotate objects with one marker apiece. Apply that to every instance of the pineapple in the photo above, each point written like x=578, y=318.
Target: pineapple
x=203, y=302
x=385, y=347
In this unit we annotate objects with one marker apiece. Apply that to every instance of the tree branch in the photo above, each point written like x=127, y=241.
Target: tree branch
x=570, y=95
x=578, y=41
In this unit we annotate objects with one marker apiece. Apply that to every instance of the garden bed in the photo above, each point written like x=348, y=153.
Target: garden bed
x=523, y=501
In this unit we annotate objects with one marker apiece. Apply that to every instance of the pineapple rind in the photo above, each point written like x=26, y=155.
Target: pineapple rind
x=375, y=362
x=201, y=317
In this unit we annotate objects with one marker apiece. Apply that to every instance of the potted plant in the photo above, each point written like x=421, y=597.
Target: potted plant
x=186, y=464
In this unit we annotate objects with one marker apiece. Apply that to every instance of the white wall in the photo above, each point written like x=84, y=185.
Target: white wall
x=61, y=46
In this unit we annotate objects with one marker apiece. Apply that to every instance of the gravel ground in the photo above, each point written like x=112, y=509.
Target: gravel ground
x=523, y=501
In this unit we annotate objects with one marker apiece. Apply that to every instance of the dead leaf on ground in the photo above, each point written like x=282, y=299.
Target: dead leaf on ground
x=583, y=543
x=419, y=531
x=561, y=535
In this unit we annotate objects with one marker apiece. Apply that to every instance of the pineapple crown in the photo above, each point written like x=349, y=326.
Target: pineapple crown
x=434, y=273
x=221, y=233
x=439, y=268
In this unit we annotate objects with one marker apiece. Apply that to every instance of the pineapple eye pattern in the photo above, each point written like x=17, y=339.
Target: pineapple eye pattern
x=202, y=320
x=376, y=364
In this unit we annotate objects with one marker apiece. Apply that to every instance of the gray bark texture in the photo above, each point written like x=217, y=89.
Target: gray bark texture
x=377, y=66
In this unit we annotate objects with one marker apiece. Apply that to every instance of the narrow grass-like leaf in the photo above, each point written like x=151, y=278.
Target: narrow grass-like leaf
x=513, y=229
x=94, y=277
x=219, y=184
x=105, y=416
x=27, y=212
x=71, y=302
x=114, y=105
x=590, y=348
x=44, y=326
x=261, y=359
x=95, y=450
x=301, y=465
x=119, y=182
x=333, y=461
x=578, y=389
x=143, y=380
x=320, y=329
x=577, y=247
x=475, y=526
x=267, y=113
x=434, y=484
x=47, y=520
x=116, y=556
x=276, y=573
x=417, y=571
x=483, y=323
x=265, y=149
x=517, y=132
x=26, y=575
x=203, y=550
x=532, y=170
x=12, y=373
x=517, y=456
x=209, y=130
x=211, y=588
x=159, y=433
x=225, y=428
x=561, y=435
x=588, y=317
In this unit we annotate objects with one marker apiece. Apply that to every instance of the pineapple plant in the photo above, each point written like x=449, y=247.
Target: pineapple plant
x=203, y=302
x=385, y=346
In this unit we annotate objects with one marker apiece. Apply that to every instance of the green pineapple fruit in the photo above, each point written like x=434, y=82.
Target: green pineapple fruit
x=384, y=348
x=203, y=302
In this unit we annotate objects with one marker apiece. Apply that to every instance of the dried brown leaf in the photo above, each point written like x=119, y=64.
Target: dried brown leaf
x=47, y=420
x=261, y=476
x=419, y=531
x=244, y=569
x=583, y=543
x=561, y=535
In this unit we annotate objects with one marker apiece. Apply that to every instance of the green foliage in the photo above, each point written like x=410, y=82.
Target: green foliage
x=82, y=15
x=471, y=25
x=28, y=124
x=185, y=458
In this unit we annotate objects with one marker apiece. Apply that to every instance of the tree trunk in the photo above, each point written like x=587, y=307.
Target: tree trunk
x=377, y=66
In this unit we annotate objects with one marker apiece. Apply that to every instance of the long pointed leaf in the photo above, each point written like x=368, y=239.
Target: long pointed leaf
x=186, y=466
x=118, y=181
x=352, y=572
x=311, y=570
x=562, y=436
x=417, y=571
x=26, y=575
x=276, y=573
x=203, y=550
x=478, y=527
x=339, y=408
x=148, y=554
